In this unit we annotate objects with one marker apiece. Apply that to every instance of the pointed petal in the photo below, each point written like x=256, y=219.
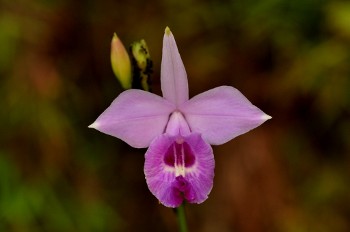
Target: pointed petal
x=173, y=74
x=222, y=113
x=136, y=117
x=171, y=189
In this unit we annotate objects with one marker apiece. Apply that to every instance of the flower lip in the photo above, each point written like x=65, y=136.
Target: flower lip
x=172, y=184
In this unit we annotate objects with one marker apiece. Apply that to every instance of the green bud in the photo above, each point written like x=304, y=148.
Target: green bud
x=142, y=65
x=120, y=61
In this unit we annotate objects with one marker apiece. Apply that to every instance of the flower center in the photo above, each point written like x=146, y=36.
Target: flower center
x=180, y=156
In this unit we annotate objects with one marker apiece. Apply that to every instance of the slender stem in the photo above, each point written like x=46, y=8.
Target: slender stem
x=181, y=218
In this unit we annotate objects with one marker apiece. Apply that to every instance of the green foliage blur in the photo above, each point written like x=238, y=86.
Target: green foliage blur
x=290, y=58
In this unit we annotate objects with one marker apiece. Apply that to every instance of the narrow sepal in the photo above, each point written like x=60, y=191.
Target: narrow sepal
x=173, y=74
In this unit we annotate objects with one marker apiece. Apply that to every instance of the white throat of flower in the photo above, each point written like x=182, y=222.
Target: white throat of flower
x=180, y=169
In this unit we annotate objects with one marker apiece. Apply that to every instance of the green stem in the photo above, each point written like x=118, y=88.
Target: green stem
x=181, y=218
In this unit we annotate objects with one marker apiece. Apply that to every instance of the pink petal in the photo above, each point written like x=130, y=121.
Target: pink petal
x=136, y=117
x=196, y=181
x=173, y=74
x=222, y=113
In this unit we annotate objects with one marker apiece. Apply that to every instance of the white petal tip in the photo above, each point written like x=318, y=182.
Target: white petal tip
x=94, y=125
x=266, y=117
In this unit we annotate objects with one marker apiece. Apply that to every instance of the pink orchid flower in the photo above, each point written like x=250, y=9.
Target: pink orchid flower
x=179, y=163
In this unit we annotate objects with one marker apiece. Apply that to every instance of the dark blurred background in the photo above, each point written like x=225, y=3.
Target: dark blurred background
x=290, y=58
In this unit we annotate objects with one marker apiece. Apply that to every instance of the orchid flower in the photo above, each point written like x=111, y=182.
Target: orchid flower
x=178, y=131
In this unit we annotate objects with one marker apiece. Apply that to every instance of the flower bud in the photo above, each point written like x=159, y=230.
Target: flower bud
x=120, y=61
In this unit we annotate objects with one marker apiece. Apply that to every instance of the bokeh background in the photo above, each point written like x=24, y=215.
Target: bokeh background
x=290, y=58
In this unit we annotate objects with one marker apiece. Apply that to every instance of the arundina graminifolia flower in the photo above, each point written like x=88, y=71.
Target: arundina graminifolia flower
x=179, y=163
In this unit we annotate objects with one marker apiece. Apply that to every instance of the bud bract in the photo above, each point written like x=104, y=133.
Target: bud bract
x=143, y=65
